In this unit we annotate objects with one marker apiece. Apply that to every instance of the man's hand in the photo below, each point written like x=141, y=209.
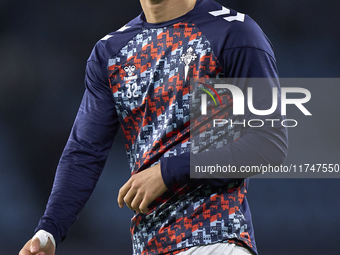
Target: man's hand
x=32, y=247
x=141, y=189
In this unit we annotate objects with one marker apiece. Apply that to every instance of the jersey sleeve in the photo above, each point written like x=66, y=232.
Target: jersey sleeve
x=84, y=156
x=265, y=145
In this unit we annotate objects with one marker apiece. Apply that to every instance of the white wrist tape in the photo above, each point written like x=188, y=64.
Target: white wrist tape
x=43, y=238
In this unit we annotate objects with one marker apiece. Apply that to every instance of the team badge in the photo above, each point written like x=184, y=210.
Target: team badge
x=187, y=59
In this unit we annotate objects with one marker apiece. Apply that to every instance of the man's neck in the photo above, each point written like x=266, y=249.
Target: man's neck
x=157, y=11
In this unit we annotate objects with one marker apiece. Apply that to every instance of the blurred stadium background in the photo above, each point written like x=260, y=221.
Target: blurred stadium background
x=44, y=46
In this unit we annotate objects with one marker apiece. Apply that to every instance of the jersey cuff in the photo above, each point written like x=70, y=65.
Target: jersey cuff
x=176, y=169
x=43, y=237
x=168, y=179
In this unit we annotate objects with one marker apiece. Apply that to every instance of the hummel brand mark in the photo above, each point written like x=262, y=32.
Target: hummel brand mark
x=225, y=11
x=220, y=12
x=106, y=37
x=130, y=70
x=187, y=59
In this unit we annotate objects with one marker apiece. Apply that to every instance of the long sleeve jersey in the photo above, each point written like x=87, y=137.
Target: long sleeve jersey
x=138, y=79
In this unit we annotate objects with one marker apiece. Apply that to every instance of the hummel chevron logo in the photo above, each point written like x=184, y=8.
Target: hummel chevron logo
x=123, y=28
x=239, y=16
x=221, y=12
x=106, y=37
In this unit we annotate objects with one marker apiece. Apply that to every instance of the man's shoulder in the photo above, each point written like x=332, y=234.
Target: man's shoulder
x=112, y=43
